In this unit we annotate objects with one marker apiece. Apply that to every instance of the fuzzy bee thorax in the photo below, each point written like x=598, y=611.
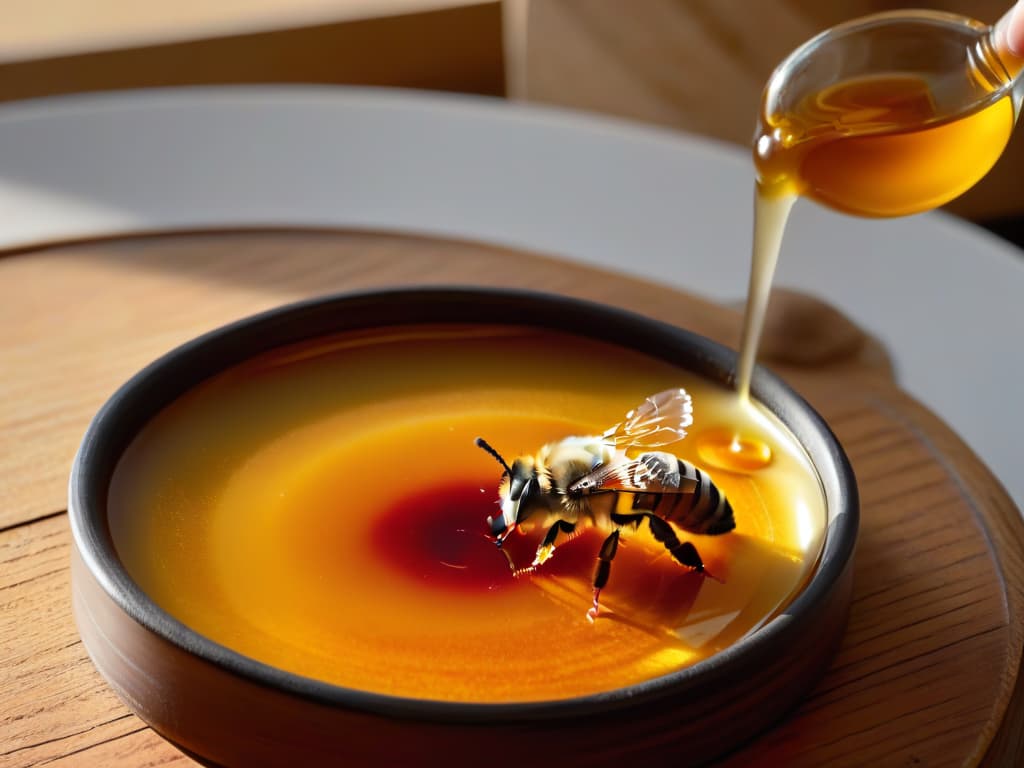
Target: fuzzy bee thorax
x=567, y=461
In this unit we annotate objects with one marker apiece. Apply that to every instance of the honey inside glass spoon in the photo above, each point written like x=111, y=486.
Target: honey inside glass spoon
x=887, y=115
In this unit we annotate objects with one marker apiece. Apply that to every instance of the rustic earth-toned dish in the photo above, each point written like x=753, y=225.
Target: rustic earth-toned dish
x=227, y=708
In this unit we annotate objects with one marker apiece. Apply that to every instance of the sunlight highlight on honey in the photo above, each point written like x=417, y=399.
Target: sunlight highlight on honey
x=322, y=509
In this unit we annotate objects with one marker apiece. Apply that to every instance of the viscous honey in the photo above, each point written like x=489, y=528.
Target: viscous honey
x=323, y=509
x=885, y=145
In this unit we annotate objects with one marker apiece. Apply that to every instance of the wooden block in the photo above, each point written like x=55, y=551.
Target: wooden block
x=450, y=48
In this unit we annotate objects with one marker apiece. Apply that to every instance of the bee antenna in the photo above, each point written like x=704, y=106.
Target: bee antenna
x=481, y=443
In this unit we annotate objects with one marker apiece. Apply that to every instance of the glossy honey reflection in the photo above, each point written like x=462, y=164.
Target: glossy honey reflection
x=323, y=509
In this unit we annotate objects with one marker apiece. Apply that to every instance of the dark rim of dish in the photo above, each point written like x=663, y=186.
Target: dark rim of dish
x=150, y=390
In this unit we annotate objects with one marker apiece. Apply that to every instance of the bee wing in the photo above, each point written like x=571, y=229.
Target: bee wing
x=659, y=420
x=651, y=473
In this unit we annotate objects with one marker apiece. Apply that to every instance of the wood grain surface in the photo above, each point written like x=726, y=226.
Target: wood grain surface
x=701, y=65
x=927, y=674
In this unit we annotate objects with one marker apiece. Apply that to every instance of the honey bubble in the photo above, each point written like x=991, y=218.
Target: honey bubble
x=725, y=449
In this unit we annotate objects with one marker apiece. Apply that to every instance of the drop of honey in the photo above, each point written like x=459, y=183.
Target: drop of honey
x=724, y=449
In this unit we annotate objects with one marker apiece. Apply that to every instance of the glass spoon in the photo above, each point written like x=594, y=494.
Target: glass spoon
x=939, y=69
x=887, y=115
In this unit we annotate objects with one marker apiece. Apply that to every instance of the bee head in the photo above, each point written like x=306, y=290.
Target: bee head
x=518, y=485
x=516, y=494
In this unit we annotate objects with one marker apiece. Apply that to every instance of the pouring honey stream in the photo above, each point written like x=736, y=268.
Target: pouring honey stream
x=889, y=115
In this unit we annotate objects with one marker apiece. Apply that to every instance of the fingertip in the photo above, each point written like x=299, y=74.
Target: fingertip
x=1015, y=30
x=1009, y=30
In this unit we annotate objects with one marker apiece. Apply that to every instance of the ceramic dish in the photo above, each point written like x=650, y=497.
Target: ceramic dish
x=227, y=709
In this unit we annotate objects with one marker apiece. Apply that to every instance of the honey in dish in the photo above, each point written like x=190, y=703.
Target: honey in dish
x=323, y=509
x=871, y=146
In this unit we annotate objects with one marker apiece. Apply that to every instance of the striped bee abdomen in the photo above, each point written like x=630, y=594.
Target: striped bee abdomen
x=690, y=499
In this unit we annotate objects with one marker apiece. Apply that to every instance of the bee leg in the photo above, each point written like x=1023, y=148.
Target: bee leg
x=508, y=557
x=603, y=571
x=547, y=547
x=683, y=552
x=620, y=519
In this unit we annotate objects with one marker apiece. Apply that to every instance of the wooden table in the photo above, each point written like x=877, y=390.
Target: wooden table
x=928, y=674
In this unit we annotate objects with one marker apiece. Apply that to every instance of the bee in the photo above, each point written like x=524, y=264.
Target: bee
x=580, y=480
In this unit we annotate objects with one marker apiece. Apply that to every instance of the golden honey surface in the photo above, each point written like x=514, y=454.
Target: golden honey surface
x=322, y=509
